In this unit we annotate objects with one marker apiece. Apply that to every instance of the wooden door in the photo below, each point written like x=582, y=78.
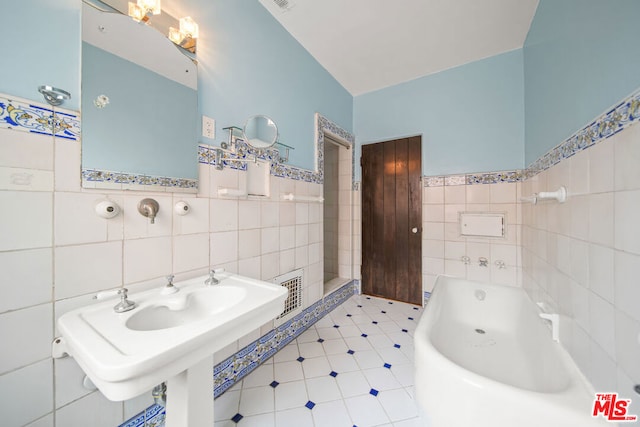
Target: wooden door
x=392, y=220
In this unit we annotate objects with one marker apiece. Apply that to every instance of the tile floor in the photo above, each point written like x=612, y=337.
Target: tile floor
x=354, y=367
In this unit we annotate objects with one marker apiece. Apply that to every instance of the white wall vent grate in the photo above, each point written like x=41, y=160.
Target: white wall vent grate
x=293, y=281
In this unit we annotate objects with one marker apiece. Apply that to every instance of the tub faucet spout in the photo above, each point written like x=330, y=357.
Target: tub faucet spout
x=554, y=319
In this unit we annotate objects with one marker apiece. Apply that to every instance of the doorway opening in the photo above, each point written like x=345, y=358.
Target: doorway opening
x=337, y=213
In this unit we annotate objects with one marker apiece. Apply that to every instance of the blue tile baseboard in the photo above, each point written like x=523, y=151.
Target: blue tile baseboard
x=228, y=372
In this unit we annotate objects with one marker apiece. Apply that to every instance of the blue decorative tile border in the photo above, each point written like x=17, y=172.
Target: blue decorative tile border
x=25, y=116
x=616, y=119
x=234, y=368
x=102, y=176
x=206, y=154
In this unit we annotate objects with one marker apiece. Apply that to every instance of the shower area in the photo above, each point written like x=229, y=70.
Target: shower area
x=337, y=213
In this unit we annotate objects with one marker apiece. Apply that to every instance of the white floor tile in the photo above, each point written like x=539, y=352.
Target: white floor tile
x=353, y=384
x=316, y=367
x=299, y=417
x=288, y=371
x=398, y=404
x=306, y=393
x=258, y=400
x=381, y=379
x=323, y=389
x=331, y=414
x=311, y=349
x=337, y=346
x=368, y=359
x=341, y=363
x=263, y=420
x=291, y=395
x=366, y=411
x=359, y=343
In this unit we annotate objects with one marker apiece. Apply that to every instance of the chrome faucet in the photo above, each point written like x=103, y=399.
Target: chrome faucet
x=124, y=305
x=212, y=279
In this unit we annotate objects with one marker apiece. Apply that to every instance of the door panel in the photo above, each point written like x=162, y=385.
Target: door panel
x=392, y=220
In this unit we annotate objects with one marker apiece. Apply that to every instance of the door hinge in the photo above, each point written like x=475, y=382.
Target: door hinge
x=360, y=161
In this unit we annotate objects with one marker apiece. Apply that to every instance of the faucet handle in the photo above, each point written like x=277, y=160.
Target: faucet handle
x=170, y=278
x=124, y=305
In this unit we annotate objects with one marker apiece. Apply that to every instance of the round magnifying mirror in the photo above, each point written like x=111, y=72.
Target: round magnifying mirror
x=260, y=132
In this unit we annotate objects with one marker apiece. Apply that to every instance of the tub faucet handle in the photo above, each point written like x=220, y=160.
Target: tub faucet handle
x=500, y=264
x=483, y=261
x=466, y=260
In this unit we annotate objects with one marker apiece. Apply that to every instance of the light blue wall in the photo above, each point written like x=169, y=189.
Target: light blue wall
x=41, y=46
x=471, y=118
x=248, y=64
x=580, y=57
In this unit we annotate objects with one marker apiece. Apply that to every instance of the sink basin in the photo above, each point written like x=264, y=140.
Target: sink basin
x=181, y=309
x=127, y=354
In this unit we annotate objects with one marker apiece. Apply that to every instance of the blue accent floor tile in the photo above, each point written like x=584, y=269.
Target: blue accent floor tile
x=320, y=340
x=373, y=392
x=386, y=365
x=348, y=315
x=416, y=308
x=350, y=351
x=310, y=405
x=396, y=345
x=333, y=374
x=359, y=306
x=390, y=302
x=300, y=359
x=404, y=330
x=274, y=384
x=364, y=335
x=383, y=312
x=374, y=322
x=336, y=326
x=410, y=318
x=236, y=418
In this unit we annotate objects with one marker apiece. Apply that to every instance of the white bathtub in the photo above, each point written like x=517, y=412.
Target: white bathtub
x=484, y=357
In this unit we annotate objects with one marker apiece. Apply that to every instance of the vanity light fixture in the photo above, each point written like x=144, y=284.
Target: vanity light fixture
x=187, y=34
x=143, y=9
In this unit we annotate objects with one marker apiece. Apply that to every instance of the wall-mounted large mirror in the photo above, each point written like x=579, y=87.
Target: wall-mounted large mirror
x=139, y=104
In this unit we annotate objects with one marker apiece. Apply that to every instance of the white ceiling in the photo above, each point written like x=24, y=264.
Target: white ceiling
x=371, y=44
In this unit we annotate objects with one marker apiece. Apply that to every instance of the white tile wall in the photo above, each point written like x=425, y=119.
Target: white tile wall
x=55, y=254
x=583, y=257
x=443, y=246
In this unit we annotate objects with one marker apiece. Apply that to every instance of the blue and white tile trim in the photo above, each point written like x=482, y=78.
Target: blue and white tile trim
x=236, y=367
x=233, y=369
x=617, y=118
x=243, y=152
x=95, y=176
x=26, y=116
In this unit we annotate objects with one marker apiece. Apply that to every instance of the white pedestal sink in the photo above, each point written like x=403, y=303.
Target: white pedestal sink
x=168, y=338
